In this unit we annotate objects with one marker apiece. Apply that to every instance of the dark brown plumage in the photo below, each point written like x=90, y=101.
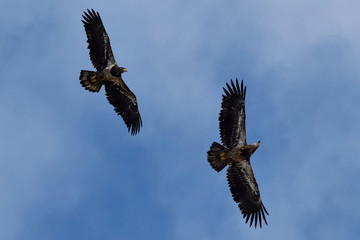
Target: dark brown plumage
x=108, y=73
x=236, y=153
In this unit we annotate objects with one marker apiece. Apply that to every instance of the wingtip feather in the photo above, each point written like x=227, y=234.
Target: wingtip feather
x=252, y=219
x=134, y=128
x=237, y=86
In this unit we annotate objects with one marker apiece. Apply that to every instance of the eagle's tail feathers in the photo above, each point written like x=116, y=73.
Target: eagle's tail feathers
x=89, y=82
x=217, y=156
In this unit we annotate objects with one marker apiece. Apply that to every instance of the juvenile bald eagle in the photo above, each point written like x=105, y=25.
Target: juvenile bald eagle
x=236, y=153
x=108, y=73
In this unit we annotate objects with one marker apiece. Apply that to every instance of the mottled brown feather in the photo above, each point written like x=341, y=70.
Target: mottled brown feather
x=101, y=54
x=245, y=191
x=232, y=115
x=125, y=104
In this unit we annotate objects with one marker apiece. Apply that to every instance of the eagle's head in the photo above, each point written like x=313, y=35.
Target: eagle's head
x=254, y=146
x=122, y=69
x=117, y=71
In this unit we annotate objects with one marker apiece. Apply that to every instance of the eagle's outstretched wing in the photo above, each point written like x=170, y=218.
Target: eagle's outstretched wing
x=245, y=191
x=125, y=103
x=232, y=115
x=101, y=54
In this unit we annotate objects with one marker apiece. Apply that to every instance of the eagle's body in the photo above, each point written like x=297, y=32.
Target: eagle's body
x=236, y=153
x=108, y=73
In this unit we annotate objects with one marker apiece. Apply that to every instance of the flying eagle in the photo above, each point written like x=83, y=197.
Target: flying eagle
x=108, y=73
x=236, y=153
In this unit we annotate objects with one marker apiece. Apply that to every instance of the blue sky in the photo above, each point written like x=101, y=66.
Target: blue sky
x=70, y=170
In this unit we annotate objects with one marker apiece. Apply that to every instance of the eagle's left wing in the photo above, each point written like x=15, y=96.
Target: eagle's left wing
x=101, y=54
x=232, y=115
x=245, y=191
x=125, y=103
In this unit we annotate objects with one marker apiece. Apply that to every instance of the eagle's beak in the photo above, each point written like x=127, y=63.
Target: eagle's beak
x=125, y=70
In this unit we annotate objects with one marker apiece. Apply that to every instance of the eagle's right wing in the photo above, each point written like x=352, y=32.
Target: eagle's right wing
x=125, y=104
x=245, y=191
x=101, y=54
x=232, y=115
